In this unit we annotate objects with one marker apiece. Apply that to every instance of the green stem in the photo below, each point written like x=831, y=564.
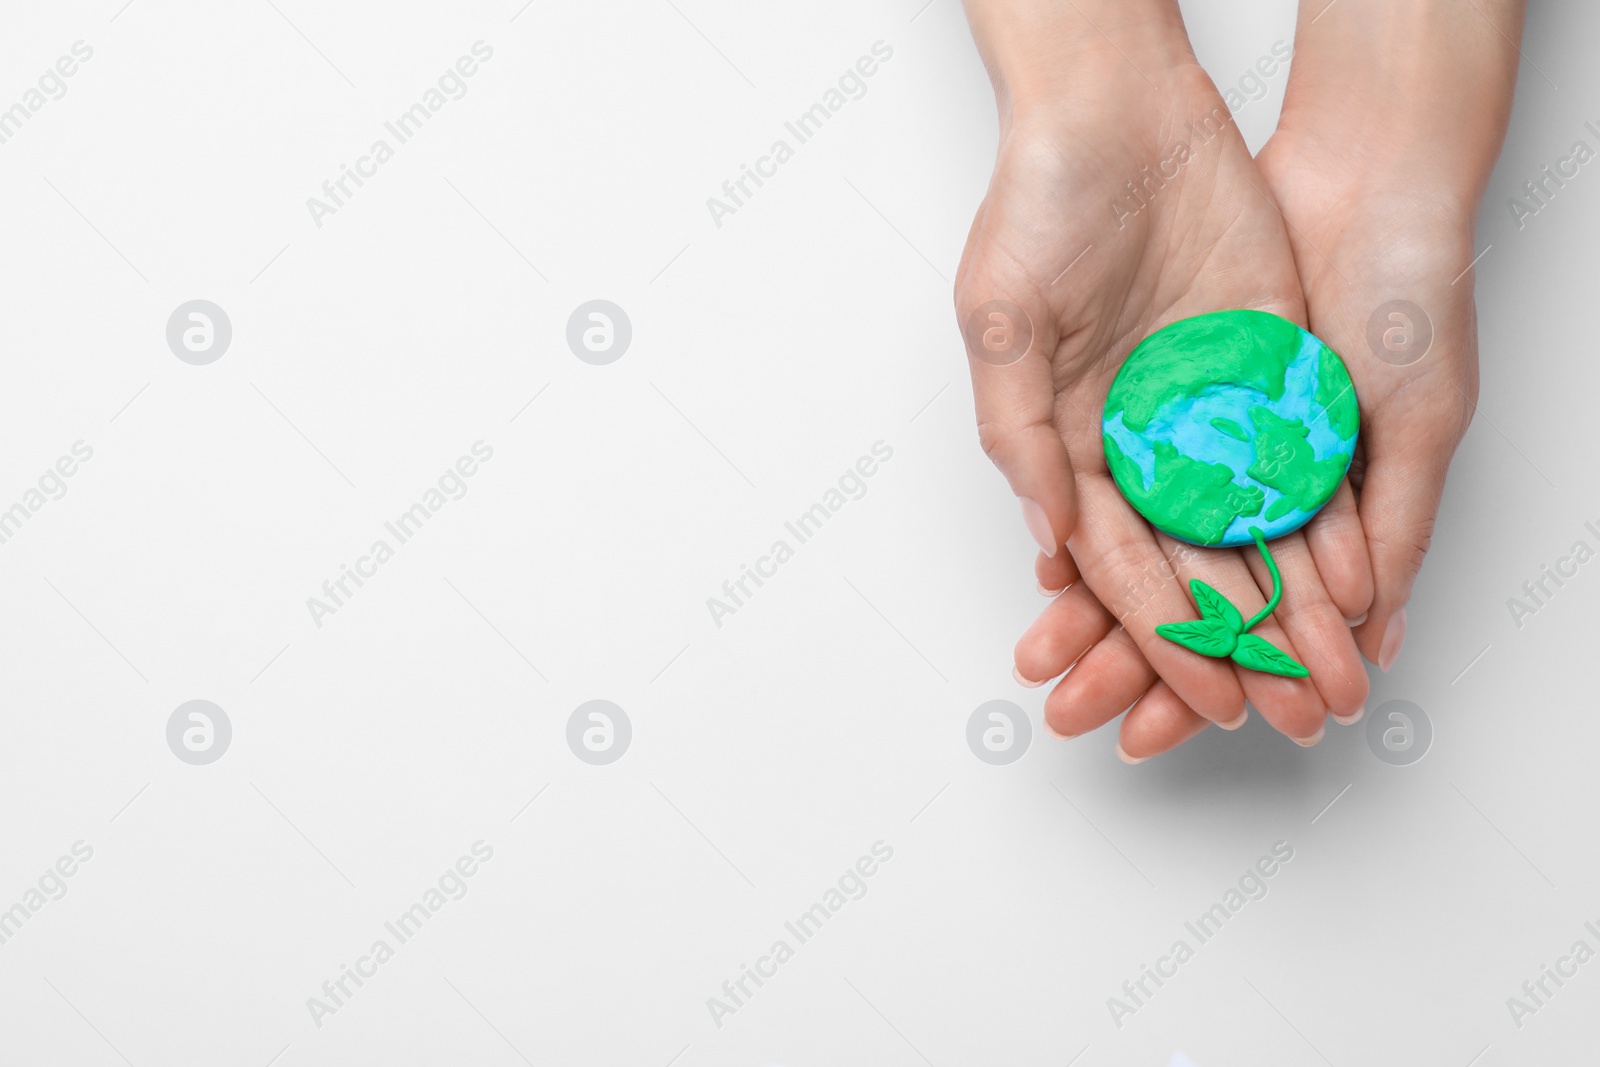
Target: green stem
x=1277, y=580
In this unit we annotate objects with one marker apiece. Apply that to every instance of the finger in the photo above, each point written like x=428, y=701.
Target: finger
x=1008, y=346
x=1056, y=572
x=1105, y=681
x=1317, y=629
x=1124, y=566
x=1407, y=459
x=1292, y=705
x=1159, y=723
x=1065, y=630
x=1339, y=547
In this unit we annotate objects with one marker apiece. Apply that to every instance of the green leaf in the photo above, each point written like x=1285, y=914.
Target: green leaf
x=1231, y=428
x=1259, y=654
x=1213, y=605
x=1209, y=637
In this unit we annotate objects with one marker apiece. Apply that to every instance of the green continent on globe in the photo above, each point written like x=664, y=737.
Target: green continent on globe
x=1249, y=348
x=1337, y=395
x=1191, y=499
x=1285, y=462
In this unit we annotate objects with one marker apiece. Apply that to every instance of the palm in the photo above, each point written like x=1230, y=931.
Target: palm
x=1050, y=229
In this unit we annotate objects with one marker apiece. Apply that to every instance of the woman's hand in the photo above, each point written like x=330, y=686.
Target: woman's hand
x=1380, y=174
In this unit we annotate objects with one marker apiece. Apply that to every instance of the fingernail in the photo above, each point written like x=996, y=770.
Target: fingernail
x=1394, y=635
x=1125, y=758
x=1050, y=592
x=1307, y=742
x=1023, y=681
x=1038, y=525
x=1357, y=621
x=1351, y=719
x=1244, y=716
x=1057, y=734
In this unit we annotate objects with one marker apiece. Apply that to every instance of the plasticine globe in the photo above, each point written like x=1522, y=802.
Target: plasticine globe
x=1230, y=420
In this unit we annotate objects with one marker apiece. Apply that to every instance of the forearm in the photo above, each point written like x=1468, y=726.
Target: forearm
x=1414, y=88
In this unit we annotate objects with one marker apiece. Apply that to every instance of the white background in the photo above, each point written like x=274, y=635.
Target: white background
x=768, y=754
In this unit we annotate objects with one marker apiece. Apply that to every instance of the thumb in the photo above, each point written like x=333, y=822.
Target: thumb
x=1015, y=398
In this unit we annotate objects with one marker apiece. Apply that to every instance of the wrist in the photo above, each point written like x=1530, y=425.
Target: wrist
x=1047, y=56
x=1415, y=118
x=1373, y=150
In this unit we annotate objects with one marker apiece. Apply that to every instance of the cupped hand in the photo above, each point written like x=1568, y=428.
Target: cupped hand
x=1384, y=263
x=1113, y=211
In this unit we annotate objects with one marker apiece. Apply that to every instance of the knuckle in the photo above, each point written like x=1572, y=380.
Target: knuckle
x=995, y=441
x=1353, y=694
x=1092, y=684
x=1054, y=649
x=1409, y=544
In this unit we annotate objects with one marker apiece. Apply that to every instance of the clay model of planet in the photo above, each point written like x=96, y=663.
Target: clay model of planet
x=1227, y=421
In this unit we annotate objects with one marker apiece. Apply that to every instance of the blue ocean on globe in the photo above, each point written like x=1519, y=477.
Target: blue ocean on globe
x=1187, y=423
